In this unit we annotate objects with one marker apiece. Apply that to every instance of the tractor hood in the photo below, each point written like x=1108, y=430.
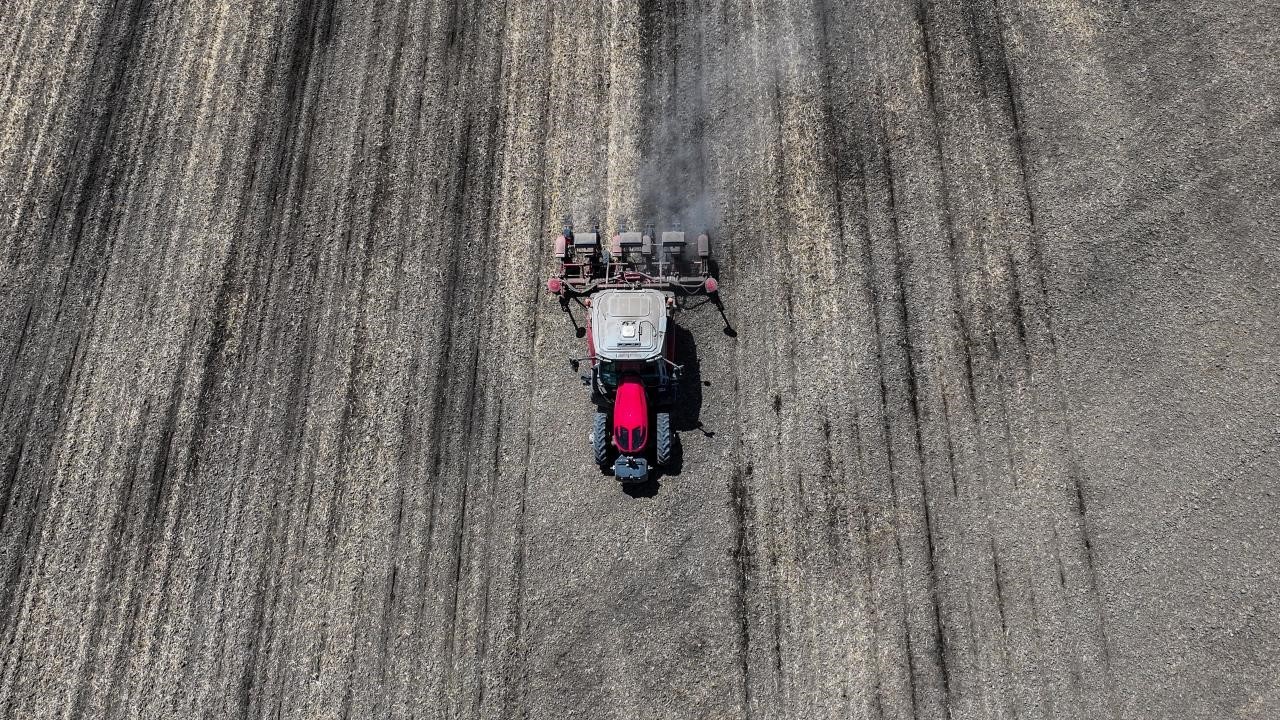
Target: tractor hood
x=628, y=324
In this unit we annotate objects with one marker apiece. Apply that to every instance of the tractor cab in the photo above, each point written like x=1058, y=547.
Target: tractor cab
x=627, y=330
x=629, y=324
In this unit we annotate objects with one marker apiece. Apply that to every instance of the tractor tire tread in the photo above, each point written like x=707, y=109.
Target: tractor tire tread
x=665, y=440
x=600, y=439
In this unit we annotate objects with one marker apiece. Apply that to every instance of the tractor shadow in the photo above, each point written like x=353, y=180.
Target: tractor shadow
x=643, y=491
x=718, y=303
x=685, y=412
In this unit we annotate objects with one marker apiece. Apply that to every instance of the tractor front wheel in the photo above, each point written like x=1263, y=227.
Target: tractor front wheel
x=665, y=440
x=600, y=439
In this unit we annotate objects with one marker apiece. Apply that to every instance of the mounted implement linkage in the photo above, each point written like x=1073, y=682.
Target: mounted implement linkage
x=630, y=289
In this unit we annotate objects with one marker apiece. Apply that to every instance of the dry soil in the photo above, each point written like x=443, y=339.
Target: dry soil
x=287, y=429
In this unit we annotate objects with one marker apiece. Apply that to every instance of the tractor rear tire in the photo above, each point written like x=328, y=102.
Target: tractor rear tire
x=665, y=440
x=600, y=439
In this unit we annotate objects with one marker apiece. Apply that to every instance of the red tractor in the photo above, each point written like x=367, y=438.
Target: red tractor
x=630, y=289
